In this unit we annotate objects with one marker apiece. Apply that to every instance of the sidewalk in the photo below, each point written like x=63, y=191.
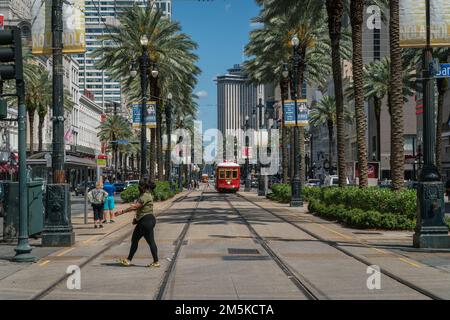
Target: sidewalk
x=90, y=242
x=391, y=250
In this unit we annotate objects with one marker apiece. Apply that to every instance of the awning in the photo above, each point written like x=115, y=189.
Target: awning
x=38, y=159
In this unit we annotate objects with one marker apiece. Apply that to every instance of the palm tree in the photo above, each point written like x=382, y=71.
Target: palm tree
x=397, y=143
x=376, y=77
x=270, y=47
x=357, y=19
x=335, y=10
x=324, y=113
x=171, y=49
x=115, y=127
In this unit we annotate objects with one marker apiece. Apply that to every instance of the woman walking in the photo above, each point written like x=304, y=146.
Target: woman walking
x=97, y=199
x=145, y=223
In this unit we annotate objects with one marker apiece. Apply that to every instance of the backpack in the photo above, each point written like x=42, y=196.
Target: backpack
x=97, y=196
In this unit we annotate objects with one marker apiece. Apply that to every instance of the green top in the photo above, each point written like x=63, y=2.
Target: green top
x=146, y=200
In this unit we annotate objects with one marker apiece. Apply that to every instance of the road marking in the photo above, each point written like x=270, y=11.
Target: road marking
x=44, y=263
x=338, y=233
x=90, y=239
x=410, y=262
x=64, y=252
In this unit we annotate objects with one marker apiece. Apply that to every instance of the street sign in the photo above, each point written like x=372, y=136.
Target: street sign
x=302, y=115
x=122, y=141
x=151, y=115
x=2, y=22
x=444, y=71
x=101, y=160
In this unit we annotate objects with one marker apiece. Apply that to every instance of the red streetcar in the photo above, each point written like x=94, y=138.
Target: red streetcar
x=228, y=177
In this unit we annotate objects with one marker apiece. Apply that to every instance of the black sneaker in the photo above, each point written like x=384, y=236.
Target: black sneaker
x=95, y=226
x=111, y=221
x=104, y=221
x=100, y=226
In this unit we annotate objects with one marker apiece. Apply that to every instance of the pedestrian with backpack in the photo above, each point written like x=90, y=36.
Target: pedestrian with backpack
x=97, y=198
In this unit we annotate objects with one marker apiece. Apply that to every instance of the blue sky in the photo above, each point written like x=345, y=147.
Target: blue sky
x=221, y=29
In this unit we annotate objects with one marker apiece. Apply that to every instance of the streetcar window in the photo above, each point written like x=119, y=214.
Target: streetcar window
x=228, y=174
x=235, y=174
x=222, y=174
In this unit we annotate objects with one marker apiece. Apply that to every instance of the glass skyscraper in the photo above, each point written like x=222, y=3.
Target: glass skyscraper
x=99, y=14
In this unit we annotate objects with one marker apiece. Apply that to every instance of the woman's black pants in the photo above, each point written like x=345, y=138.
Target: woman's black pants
x=144, y=228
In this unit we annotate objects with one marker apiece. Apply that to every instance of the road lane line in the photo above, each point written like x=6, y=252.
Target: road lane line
x=64, y=252
x=44, y=263
x=90, y=239
x=338, y=233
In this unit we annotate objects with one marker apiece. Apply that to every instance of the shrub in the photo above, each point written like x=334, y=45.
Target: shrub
x=359, y=218
x=130, y=194
x=162, y=192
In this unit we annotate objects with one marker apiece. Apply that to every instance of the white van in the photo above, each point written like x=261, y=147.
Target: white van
x=331, y=181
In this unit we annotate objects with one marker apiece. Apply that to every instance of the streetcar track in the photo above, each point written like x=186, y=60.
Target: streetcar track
x=179, y=243
x=309, y=292
x=43, y=293
x=358, y=258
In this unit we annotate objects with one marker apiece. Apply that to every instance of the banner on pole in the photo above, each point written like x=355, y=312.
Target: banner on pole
x=74, y=37
x=413, y=23
x=151, y=115
x=302, y=115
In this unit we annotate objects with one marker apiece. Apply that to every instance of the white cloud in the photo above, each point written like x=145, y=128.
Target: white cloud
x=256, y=25
x=202, y=94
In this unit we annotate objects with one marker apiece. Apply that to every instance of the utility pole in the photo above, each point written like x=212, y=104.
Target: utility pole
x=58, y=229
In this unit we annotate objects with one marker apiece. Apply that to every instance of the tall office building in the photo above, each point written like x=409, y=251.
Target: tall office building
x=99, y=14
x=236, y=99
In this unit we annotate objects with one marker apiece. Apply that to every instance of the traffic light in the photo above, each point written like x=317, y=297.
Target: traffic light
x=11, y=66
x=11, y=55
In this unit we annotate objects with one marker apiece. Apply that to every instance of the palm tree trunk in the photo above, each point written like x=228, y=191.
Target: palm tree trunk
x=335, y=9
x=284, y=135
x=31, y=114
x=357, y=19
x=396, y=98
x=40, y=132
x=330, y=126
x=377, y=107
x=159, y=143
x=442, y=85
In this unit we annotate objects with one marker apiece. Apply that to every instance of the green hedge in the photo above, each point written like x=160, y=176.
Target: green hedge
x=162, y=192
x=362, y=208
x=359, y=218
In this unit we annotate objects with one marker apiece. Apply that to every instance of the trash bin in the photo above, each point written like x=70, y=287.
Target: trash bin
x=11, y=209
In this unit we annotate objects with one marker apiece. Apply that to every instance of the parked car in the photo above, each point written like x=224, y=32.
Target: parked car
x=130, y=183
x=313, y=183
x=120, y=186
x=80, y=188
x=331, y=181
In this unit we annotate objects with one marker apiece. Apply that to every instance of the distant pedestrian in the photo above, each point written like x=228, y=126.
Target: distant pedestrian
x=145, y=223
x=97, y=198
x=109, y=202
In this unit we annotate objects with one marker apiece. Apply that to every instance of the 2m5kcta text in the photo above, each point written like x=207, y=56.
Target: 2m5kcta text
x=225, y=309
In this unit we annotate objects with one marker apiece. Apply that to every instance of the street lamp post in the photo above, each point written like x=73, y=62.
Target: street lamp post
x=169, y=139
x=181, y=155
x=296, y=200
x=58, y=230
x=431, y=230
x=247, y=164
x=144, y=63
x=261, y=182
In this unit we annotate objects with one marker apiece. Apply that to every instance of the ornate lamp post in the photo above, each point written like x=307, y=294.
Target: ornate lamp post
x=169, y=140
x=296, y=200
x=247, y=164
x=261, y=183
x=431, y=230
x=144, y=63
x=181, y=155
